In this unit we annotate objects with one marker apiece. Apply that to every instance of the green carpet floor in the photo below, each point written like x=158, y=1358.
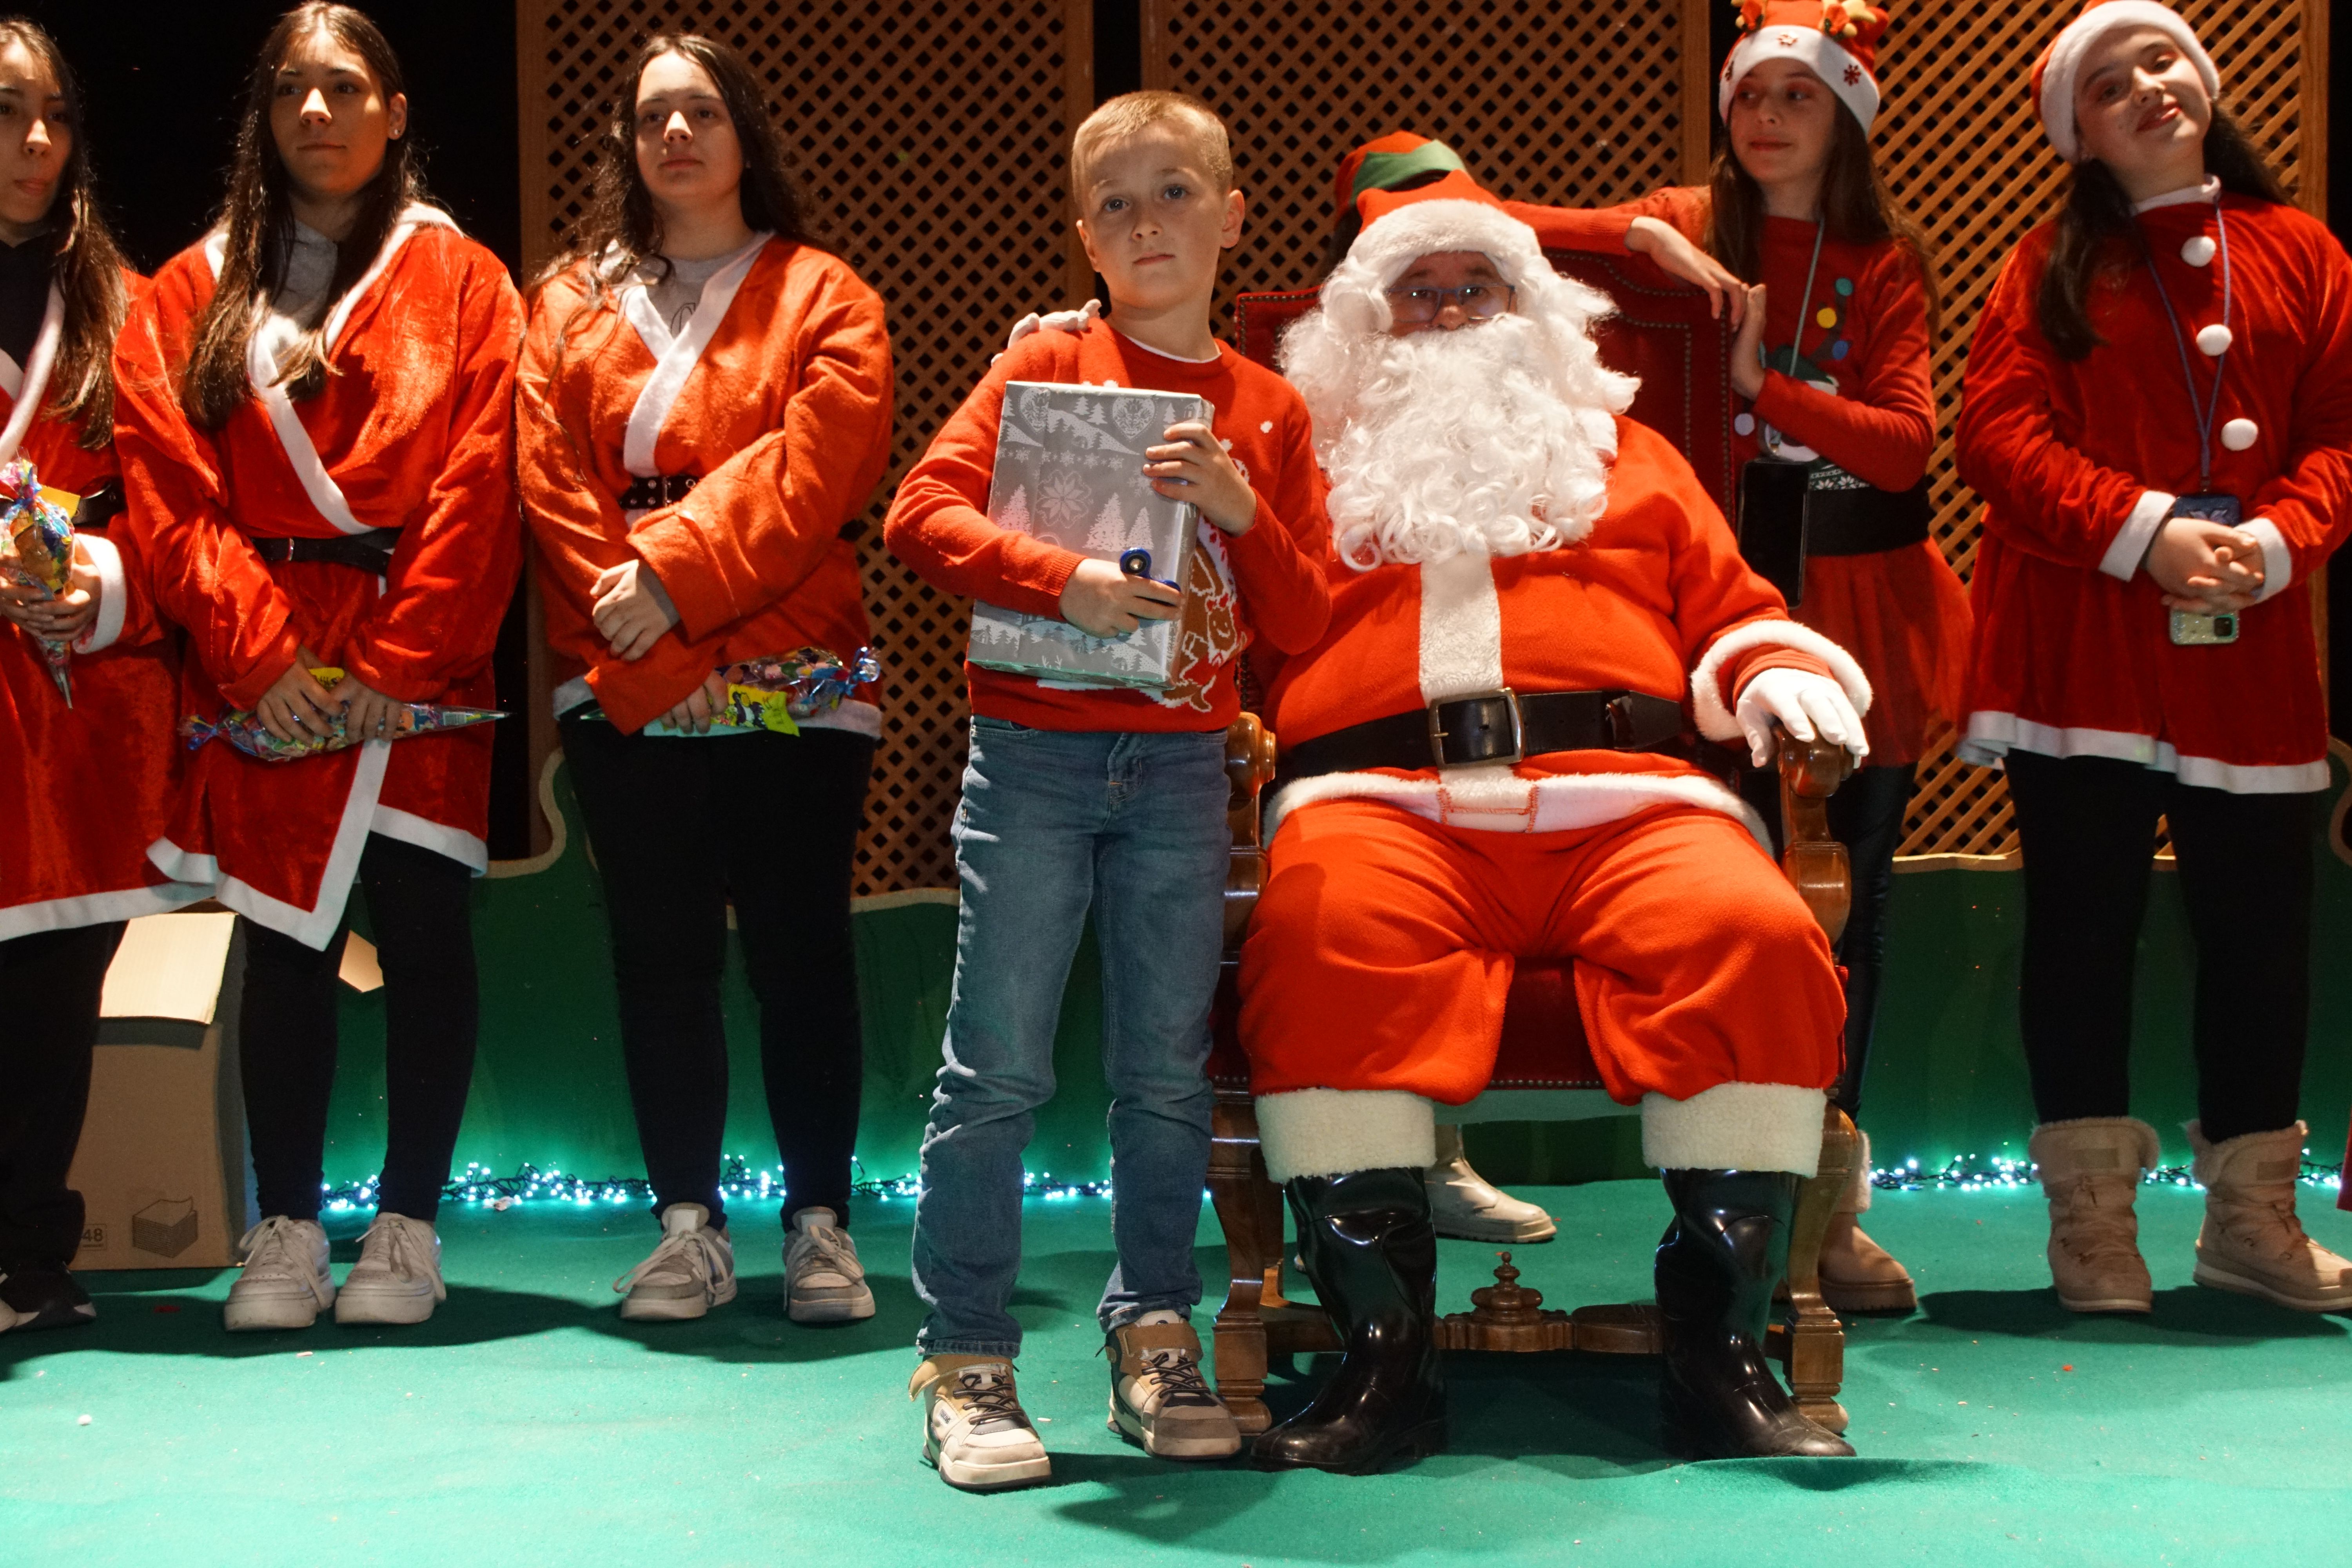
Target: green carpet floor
x=526, y=1424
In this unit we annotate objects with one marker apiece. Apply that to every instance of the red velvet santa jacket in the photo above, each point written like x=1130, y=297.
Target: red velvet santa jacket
x=1654, y=598
x=1863, y=332
x=414, y=431
x=777, y=395
x=83, y=790
x=2077, y=461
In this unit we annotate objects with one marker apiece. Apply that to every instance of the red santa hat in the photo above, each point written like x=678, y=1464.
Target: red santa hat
x=1401, y=157
x=1455, y=213
x=1836, y=39
x=2056, y=73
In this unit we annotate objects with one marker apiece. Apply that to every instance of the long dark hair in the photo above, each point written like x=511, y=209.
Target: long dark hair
x=87, y=266
x=1857, y=208
x=258, y=218
x=2098, y=230
x=621, y=228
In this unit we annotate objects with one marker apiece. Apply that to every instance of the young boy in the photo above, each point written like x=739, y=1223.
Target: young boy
x=1104, y=799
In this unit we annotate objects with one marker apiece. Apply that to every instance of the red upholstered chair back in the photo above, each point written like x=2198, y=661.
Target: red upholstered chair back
x=1663, y=331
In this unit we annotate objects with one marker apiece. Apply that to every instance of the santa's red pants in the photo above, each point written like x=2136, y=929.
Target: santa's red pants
x=1383, y=945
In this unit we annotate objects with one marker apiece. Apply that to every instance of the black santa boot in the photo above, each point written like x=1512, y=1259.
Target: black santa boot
x=1369, y=1247
x=1717, y=1269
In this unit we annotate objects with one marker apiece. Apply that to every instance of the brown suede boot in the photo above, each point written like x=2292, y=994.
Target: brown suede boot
x=2253, y=1243
x=2090, y=1171
x=1857, y=1274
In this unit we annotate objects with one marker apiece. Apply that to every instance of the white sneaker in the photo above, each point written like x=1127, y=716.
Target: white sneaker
x=690, y=1272
x=823, y=1281
x=398, y=1276
x=285, y=1283
x=975, y=1431
x=1463, y=1204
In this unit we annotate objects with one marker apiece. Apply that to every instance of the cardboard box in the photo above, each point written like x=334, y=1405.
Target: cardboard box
x=162, y=1166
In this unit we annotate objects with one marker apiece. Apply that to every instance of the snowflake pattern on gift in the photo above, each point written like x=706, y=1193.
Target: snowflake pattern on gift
x=1063, y=498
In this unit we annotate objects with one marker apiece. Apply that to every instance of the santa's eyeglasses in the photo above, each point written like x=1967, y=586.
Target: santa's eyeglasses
x=1479, y=302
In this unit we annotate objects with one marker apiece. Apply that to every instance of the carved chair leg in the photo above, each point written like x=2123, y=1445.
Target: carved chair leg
x=1237, y=1183
x=1816, y=1340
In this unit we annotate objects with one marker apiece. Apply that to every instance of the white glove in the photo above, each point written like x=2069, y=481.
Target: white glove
x=1072, y=321
x=1805, y=704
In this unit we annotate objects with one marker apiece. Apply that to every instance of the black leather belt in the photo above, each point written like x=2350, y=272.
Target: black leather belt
x=99, y=508
x=370, y=551
x=1492, y=727
x=667, y=490
x=657, y=489
x=1866, y=521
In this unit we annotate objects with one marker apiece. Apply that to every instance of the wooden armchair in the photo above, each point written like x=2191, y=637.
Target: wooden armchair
x=1664, y=332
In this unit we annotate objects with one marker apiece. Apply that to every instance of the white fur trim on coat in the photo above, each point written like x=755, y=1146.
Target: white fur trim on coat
x=113, y=594
x=1329, y=1132
x=1992, y=735
x=1715, y=721
x=1734, y=1127
x=1492, y=798
x=2054, y=98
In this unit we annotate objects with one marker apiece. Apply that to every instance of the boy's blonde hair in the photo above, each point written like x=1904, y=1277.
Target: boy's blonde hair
x=1131, y=113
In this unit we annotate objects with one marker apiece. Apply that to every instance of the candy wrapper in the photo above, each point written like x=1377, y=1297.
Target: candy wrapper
x=776, y=692
x=248, y=734
x=37, y=552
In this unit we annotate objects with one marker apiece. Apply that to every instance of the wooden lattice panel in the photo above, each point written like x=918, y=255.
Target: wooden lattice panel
x=1970, y=163
x=932, y=138
x=1569, y=104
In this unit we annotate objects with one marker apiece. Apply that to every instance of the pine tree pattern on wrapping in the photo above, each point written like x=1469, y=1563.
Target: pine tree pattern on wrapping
x=931, y=137
x=1977, y=174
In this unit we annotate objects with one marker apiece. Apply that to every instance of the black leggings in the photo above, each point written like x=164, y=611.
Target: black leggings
x=419, y=905
x=1867, y=817
x=51, y=981
x=2087, y=825
x=679, y=826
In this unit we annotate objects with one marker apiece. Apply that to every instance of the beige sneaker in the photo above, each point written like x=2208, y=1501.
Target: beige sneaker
x=1157, y=1397
x=2090, y=1171
x=823, y=1281
x=1857, y=1274
x=975, y=1431
x=398, y=1276
x=2253, y=1243
x=1465, y=1205
x=690, y=1272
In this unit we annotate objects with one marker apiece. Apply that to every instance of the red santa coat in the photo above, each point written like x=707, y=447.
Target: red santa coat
x=83, y=790
x=1397, y=900
x=1660, y=601
x=2073, y=654
x=778, y=397
x=1903, y=613
x=414, y=431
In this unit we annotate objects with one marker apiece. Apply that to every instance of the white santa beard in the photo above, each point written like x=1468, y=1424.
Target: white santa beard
x=1464, y=441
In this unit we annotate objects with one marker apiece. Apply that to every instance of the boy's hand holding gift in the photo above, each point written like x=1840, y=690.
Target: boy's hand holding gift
x=1193, y=465
x=1102, y=601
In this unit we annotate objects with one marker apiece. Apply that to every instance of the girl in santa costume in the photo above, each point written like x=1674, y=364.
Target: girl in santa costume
x=1828, y=283
x=704, y=409
x=83, y=788
x=2158, y=414
x=315, y=415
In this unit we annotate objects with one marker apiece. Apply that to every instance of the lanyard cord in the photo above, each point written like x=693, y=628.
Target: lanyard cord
x=1805, y=301
x=2204, y=412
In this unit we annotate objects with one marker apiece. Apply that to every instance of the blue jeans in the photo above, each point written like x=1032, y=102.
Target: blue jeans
x=1052, y=824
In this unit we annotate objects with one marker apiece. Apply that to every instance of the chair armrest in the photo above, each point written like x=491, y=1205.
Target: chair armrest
x=1249, y=767
x=1811, y=772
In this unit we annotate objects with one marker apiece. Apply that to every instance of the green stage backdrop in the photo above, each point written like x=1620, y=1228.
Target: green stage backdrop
x=1946, y=1078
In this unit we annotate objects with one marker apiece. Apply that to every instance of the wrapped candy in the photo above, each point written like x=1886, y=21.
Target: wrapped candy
x=776, y=692
x=37, y=552
x=248, y=734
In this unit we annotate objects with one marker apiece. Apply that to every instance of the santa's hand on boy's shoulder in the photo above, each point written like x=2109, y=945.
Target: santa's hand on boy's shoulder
x=1193, y=465
x=1072, y=321
x=1102, y=601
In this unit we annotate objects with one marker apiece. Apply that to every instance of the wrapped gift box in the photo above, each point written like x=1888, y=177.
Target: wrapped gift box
x=1069, y=470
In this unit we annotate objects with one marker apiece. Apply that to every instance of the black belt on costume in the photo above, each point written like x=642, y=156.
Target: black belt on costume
x=99, y=508
x=370, y=551
x=651, y=490
x=1866, y=521
x=1502, y=726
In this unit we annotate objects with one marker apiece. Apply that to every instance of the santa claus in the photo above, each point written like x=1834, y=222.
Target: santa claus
x=1488, y=759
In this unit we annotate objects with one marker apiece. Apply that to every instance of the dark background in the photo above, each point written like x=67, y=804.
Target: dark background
x=163, y=82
